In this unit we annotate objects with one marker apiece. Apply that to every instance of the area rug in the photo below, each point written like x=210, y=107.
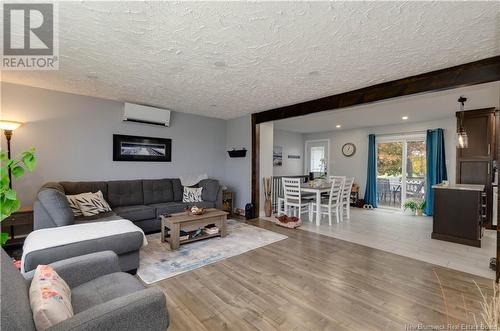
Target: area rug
x=158, y=262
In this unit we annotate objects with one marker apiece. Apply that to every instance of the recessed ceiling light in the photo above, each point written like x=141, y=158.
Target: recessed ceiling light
x=338, y=126
x=404, y=118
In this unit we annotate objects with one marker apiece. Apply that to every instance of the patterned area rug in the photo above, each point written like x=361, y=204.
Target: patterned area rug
x=158, y=262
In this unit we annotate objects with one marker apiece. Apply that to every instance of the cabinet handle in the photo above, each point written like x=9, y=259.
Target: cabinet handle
x=489, y=149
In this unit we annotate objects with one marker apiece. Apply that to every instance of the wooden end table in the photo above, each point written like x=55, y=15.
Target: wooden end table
x=18, y=226
x=187, y=222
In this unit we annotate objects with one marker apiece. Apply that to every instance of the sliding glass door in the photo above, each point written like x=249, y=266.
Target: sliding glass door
x=401, y=167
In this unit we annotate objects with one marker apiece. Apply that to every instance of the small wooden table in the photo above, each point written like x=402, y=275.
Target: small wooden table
x=18, y=225
x=187, y=222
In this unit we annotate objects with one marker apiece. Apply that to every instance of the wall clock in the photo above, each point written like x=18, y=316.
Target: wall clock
x=349, y=149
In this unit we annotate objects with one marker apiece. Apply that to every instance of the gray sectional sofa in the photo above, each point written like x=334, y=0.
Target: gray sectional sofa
x=141, y=201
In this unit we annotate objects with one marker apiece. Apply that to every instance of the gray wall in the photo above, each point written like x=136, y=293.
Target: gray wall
x=73, y=134
x=293, y=144
x=355, y=166
x=238, y=170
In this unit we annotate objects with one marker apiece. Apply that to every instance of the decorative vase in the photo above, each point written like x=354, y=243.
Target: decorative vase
x=418, y=212
x=268, y=208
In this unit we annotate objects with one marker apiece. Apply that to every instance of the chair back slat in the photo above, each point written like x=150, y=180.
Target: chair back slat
x=291, y=188
x=336, y=189
x=346, y=194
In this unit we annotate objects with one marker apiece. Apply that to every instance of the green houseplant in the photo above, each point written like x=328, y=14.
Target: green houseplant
x=416, y=206
x=8, y=197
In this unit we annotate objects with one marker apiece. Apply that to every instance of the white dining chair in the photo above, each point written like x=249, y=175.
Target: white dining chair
x=294, y=204
x=346, y=197
x=332, y=203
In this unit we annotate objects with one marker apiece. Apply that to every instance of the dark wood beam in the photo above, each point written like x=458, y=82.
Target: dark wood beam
x=255, y=165
x=479, y=72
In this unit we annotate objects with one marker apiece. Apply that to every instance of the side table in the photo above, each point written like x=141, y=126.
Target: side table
x=18, y=226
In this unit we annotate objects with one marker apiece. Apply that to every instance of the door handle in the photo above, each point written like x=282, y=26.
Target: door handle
x=489, y=149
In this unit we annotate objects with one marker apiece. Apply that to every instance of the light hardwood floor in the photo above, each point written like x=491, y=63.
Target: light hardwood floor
x=410, y=236
x=314, y=282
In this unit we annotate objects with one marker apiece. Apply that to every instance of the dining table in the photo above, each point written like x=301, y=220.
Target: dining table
x=317, y=190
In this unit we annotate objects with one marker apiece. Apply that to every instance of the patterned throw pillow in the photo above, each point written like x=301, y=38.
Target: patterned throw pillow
x=92, y=203
x=73, y=204
x=50, y=298
x=192, y=194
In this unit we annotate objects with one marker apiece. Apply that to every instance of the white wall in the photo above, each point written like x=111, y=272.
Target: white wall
x=356, y=165
x=238, y=170
x=293, y=144
x=73, y=137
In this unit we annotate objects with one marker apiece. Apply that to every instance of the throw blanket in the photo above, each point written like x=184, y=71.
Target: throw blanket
x=63, y=235
x=191, y=180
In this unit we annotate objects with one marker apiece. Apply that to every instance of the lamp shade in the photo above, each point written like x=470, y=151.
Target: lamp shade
x=9, y=125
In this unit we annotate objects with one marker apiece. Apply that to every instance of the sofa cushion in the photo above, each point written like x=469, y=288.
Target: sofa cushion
x=103, y=289
x=73, y=188
x=157, y=191
x=178, y=190
x=101, y=217
x=57, y=206
x=168, y=207
x=210, y=189
x=50, y=298
x=125, y=193
x=136, y=212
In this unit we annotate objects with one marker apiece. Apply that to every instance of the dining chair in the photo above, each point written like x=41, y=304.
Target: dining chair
x=294, y=203
x=346, y=197
x=332, y=204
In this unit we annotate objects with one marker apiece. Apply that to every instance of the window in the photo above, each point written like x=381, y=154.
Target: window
x=317, y=159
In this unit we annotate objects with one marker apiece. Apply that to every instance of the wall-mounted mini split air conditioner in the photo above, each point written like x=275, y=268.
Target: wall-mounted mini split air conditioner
x=146, y=114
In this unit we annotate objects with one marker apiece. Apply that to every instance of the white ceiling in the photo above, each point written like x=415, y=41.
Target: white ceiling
x=418, y=108
x=227, y=59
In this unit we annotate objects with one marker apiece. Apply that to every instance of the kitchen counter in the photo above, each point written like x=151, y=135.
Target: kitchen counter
x=465, y=187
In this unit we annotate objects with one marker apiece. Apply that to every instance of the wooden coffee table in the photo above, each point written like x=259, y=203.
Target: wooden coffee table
x=183, y=221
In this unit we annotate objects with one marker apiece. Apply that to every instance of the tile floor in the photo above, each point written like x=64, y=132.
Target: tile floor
x=410, y=236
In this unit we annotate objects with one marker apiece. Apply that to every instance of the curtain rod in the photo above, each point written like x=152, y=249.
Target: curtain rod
x=401, y=133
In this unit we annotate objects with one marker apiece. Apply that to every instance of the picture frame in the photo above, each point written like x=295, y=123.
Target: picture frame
x=137, y=148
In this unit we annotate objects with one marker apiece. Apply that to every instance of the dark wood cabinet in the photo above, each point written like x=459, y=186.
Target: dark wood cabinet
x=458, y=214
x=475, y=163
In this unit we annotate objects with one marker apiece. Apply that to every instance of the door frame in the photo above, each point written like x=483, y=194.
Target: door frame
x=403, y=138
x=306, y=155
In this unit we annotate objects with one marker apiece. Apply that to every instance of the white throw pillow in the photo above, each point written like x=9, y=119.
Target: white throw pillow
x=50, y=298
x=74, y=205
x=92, y=203
x=192, y=194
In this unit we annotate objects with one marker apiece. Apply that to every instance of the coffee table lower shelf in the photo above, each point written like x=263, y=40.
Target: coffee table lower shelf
x=172, y=226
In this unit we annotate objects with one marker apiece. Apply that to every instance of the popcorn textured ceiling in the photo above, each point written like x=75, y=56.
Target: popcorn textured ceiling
x=227, y=59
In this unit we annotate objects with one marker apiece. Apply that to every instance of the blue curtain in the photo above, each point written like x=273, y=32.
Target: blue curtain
x=371, y=176
x=436, y=165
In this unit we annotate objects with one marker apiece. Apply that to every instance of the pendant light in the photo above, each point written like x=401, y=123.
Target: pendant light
x=462, y=139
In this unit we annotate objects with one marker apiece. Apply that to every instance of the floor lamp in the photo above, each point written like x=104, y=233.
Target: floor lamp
x=8, y=127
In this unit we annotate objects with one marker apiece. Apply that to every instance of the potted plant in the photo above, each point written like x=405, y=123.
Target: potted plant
x=8, y=198
x=416, y=206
